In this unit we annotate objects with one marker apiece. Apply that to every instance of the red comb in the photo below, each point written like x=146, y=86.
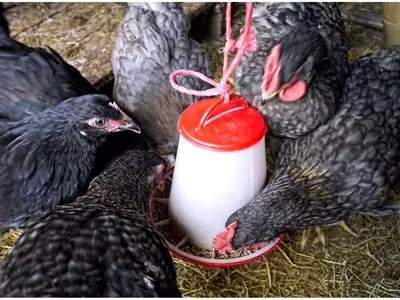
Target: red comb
x=115, y=105
x=272, y=63
x=222, y=241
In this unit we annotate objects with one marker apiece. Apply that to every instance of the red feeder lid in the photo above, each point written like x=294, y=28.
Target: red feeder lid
x=213, y=124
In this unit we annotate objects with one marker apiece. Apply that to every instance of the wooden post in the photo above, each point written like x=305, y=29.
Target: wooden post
x=391, y=23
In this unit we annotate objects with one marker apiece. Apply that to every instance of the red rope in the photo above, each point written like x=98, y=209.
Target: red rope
x=246, y=43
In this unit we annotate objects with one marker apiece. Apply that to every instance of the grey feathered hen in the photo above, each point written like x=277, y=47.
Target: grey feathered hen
x=296, y=76
x=346, y=166
x=154, y=41
x=101, y=246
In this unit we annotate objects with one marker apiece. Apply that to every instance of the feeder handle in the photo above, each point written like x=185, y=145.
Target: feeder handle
x=204, y=121
x=247, y=42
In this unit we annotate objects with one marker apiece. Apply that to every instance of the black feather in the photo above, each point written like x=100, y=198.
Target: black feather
x=4, y=29
x=349, y=165
x=313, y=40
x=44, y=158
x=103, y=245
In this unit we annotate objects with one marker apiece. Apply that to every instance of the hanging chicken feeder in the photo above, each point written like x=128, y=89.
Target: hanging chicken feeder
x=220, y=166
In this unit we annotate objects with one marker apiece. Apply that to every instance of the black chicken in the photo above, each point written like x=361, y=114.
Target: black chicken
x=296, y=76
x=33, y=79
x=47, y=158
x=102, y=245
x=346, y=166
x=49, y=149
x=154, y=41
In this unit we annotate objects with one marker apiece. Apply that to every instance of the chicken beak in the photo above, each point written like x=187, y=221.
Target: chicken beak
x=128, y=124
x=268, y=96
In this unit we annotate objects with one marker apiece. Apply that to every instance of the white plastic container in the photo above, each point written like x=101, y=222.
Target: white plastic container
x=220, y=166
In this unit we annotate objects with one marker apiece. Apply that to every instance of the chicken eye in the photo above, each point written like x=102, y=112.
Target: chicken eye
x=100, y=122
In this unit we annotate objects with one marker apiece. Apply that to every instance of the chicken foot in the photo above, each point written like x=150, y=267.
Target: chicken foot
x=321, y=236
x=306, y=234
x=348, y=229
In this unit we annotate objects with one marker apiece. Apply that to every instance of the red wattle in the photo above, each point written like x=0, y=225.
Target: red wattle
x=294, y=92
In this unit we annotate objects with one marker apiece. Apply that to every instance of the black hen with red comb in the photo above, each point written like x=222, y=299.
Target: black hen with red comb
x=48, y=158
x=49, y=146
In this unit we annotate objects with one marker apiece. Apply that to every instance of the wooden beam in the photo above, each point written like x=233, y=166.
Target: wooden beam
x=364, y=18
x=391, y=23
